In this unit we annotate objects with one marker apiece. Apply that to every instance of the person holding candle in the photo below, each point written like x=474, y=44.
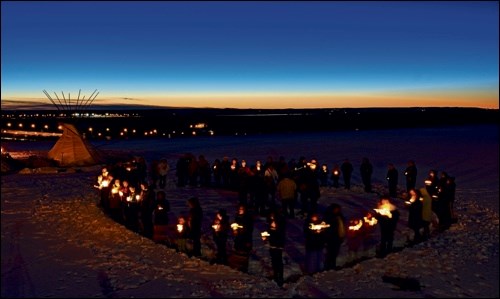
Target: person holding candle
x=275, y=235
x=146, y=205
x=314, y=234
x=220, y=229
x=115, y=208
x=242, y=229
x=334, y=234
x=411, y=175
x=335, y=176
x=104, y=181
x=392, y=180
x=182, y=230
x=415, y=214
x=131, y=208
x=387, y=215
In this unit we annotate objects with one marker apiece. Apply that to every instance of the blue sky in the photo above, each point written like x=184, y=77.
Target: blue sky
x=267, y=54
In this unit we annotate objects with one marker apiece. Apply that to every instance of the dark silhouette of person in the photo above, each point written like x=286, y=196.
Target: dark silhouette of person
x=220, y=228
x=335, y=176
x=147, y=200
x=194, y=222
x=242, y=231
x=387, y=215
x=347, y=170
x=366, y=170
x=411, y=175
x=161, y=209
x=335, y=234
x=276, y=230
x=415, y=222
x=392, y=180
x=314, y=235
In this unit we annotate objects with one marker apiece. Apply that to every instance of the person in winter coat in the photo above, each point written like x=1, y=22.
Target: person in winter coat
x=182, y=234
x=426, y=212
x=220, y=228
x=335, y=176
x=392, y=180
x=387, y=215
x=162, y=171
x=194, y=222
x=415, y=206
x=411, y=175
x=334, y=234
x=347, y=170
x=366, y=171
x=243, y=231
x=287, y=194
x=314, y=234
x=276, y=238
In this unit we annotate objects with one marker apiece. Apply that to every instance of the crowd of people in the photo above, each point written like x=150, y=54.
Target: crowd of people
x=272, y=190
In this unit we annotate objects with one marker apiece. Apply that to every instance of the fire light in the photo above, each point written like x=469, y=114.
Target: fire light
x=371, y=221
x=357, y=226
x=235, y=226
x=180, y=227
x=318, y=227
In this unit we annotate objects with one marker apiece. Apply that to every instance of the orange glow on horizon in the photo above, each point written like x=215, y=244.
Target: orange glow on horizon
x=487, y=99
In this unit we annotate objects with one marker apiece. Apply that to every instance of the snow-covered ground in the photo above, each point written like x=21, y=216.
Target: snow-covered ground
x=57, y=243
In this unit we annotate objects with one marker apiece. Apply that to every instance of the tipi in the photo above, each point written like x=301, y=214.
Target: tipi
x=71, y=149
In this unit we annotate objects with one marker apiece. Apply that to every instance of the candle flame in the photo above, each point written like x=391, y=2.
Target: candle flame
x=235, y=226
x=371, y=221
x=357, y=226
x=318, y=227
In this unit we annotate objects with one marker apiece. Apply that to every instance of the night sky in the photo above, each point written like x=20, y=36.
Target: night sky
x=254, y=54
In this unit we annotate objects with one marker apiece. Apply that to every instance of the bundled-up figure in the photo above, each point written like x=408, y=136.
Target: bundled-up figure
x=426, y=212
x=162, y=171
x=115, y=201
x=366, y=170
x=161, y=208
x=432, y=184
x=131, y=209
x=314, y=233
x=446, y=195
x=415, y=206
x=195, y=221
x=287, y=193
x=347, y=170
x=242, y=228
x=275, y=235
x=411, y=175
x=182, y=231
x=146, y=205
x=392, y=180
x=220, y=228
x=335, y=176
x=335, y=234
x=160, y=217
x=387, y=215
x=104, y=182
